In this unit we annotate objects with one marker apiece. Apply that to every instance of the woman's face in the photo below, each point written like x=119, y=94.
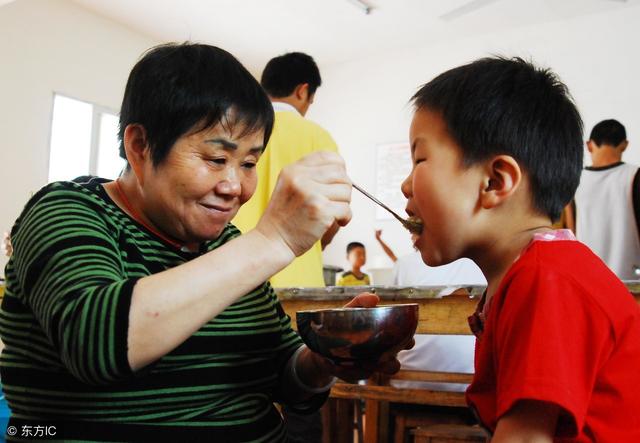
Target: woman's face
x=202, y=183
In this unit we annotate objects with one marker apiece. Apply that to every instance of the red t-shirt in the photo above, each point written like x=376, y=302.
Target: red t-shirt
x=563, y=329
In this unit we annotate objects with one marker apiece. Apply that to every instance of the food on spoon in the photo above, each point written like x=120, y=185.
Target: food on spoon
x=414, y=225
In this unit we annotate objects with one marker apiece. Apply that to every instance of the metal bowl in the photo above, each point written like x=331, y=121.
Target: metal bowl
x=358, y=334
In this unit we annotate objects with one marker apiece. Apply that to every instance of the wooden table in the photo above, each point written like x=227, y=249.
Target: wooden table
x=445, y=315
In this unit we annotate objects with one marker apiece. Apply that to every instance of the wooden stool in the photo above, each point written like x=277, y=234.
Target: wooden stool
x=449, y=434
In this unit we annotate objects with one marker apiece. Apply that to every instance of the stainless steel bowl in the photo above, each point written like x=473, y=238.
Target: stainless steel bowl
x=358, y=334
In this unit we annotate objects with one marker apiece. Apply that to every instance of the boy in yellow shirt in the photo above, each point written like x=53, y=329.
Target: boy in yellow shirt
x=357, y=256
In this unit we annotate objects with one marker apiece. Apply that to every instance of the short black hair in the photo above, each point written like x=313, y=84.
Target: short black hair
x=283, y=73
x=179, y=88
x=608, y=132
x=353, y=245
x=499, y=105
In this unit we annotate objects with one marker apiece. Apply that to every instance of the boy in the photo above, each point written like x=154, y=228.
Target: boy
x=609, y=186
x=497, y=152
x=357, y=256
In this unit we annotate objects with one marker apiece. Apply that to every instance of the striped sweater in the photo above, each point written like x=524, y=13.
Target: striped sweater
x=64, y=322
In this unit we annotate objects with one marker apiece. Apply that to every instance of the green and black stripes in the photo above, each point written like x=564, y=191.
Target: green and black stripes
x=64, y=321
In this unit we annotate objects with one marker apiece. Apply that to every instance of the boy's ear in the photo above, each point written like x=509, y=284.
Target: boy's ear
x=624, y=145
x=590, y=146
x=503, y=177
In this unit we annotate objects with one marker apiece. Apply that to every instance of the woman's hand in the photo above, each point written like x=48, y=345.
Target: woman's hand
x=310, y=196
x=316, y=364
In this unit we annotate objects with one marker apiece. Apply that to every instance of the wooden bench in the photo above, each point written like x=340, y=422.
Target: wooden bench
x=449, y=434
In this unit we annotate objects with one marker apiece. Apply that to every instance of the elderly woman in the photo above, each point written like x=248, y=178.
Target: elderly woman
x=134, y=311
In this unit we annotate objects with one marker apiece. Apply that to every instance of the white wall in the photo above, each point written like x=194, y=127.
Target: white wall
x=51, y=46
x=364, y=102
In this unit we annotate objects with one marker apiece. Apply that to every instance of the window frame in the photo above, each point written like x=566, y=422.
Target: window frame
x=97, y=111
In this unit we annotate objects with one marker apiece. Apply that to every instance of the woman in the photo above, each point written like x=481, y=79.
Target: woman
x=134, y=311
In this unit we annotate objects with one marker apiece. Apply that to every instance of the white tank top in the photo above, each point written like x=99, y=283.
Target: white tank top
x=605, y=218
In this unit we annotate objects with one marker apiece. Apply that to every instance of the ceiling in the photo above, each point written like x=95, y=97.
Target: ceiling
x=332, y=31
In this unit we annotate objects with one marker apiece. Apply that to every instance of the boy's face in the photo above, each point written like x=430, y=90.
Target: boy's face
x=441, y=191
x=357, y=257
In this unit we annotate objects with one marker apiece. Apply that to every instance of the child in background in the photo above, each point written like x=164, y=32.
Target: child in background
x=497, y=153
x=357, y=257
x=6, y=248
x=609, y=186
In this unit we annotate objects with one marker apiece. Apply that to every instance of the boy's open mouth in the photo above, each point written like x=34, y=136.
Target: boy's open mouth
x=414, y=225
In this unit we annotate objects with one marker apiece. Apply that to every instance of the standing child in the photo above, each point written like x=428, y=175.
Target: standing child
x=497, y=153
x=357, y=256
x=609, y=186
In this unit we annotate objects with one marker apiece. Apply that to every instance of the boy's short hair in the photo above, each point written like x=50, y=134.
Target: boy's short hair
x=354, y=244
x=282, y=74
x=608, y=132
x=496, y=106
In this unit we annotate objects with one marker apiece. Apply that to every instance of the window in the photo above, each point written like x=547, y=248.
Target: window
x=84, y=140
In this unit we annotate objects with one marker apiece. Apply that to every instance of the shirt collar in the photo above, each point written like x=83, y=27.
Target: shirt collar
x=282, y=106
x=479, y=317
x=604, y=168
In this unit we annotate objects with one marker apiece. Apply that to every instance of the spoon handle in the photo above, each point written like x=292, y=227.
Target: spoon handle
x=371, y=197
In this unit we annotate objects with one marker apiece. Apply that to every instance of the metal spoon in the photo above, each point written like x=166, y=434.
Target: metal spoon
x=414, y=226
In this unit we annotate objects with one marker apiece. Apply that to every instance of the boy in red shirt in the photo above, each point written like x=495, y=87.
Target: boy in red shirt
x=497, y=153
